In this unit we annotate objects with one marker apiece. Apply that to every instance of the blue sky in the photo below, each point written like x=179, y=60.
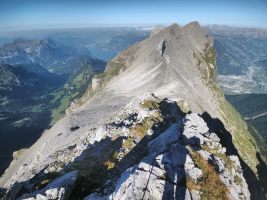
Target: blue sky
x=31, y=14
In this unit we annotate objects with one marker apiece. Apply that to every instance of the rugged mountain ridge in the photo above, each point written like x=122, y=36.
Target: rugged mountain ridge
x=54, y=57
x=177, y=63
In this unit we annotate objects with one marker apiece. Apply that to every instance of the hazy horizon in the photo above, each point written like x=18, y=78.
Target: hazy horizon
x=31, y=15
x=50, y=29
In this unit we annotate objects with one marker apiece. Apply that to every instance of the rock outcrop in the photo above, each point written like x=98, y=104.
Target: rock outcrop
x=184, y=162
x=60, y=189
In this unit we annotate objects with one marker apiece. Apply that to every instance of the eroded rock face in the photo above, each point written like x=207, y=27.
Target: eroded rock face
x=169, y=169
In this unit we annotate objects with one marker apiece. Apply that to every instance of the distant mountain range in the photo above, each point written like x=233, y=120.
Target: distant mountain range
x=102, y=42
x=48, y=54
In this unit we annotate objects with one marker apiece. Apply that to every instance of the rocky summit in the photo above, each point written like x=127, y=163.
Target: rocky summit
x=154, y=125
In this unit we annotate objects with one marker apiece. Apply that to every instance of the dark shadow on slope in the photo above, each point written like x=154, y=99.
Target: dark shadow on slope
x=27, y=114
x=2, y=192
x=175, y=183
x=257, y=187
x=15, y=138
x=262, y=172
x=38, y=181
x=95, y=164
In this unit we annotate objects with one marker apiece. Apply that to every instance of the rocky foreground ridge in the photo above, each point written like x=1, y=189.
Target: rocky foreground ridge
x=151, y=150
x=154, y=125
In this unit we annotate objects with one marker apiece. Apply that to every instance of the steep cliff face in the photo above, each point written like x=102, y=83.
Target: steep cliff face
x=127, y=145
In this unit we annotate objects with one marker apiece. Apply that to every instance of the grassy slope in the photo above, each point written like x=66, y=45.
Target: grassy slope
x=251, y=105
x=75, y=88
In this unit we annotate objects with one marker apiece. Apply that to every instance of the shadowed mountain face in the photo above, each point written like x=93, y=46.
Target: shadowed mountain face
x=253, y=108
x=119, y=119
x=23, y=99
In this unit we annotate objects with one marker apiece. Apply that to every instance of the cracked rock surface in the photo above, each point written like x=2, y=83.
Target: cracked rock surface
x=163, y=173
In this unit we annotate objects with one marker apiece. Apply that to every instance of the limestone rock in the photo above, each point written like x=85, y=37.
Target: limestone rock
x=165, y=139
x=59, y=189
x=160, y=175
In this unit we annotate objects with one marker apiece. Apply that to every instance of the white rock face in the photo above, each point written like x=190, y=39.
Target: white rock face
x=95, y=83
x=59, y=189
x=160, y=175
x=165, y=140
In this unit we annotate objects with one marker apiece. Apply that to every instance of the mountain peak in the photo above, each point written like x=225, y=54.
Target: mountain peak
x=194, y=24
x=174, y=25
x=157, y=29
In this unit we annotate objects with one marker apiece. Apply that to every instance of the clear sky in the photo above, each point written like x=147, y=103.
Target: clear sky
x=31, y=14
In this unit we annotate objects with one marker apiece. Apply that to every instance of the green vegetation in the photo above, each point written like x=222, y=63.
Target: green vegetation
x=18, y=154
x=46, y=179
x=114, y=68
x=261, y=142
x=140, y=129
x=150, y=104
x=116, y=155
x=252, y=107
x=207, y=64
x=191, y=185
x=109, y=164
x=242, y=138
x=59, y=112
x=249, y=105
x=237, y=180
x=105, y=162
x=229, y=164
x=128, y=143
x=73, y=89
x=210, y=185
